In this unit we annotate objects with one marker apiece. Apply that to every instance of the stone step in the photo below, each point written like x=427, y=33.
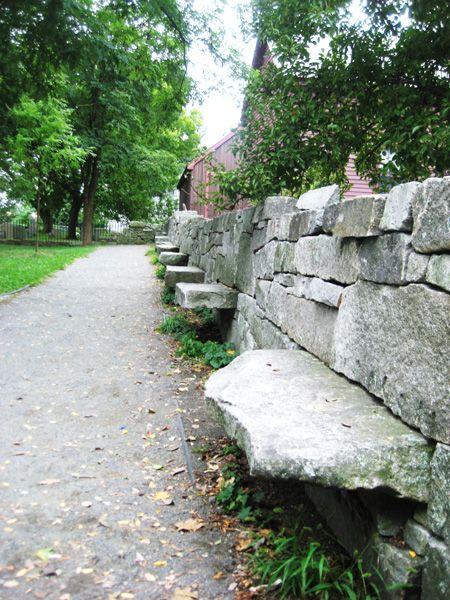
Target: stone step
x=205, y=295
x=162, y=239
x=296, y=418
x=176, y=275
x=166, y=248
x=173, y=258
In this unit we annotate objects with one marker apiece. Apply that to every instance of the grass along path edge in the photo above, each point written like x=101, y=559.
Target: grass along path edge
x=21, y=266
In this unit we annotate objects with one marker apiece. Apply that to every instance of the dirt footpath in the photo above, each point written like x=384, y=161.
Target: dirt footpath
x=96, y=499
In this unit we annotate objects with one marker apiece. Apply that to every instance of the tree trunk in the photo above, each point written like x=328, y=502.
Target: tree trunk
x=89, y=190
x=47, y=218
x=75, y=208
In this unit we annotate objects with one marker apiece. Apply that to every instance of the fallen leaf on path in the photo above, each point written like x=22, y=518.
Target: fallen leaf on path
x=160, y=563
x=11, y=583
x=48, y=481
x=46, y=554
x=219, y=575
x=161, y=496
x=190, y=525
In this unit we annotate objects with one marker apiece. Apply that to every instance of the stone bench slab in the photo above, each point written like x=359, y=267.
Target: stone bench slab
x=162, y=239
x=296, y=418
x=176, y=275
x=205, y=295
x=173, y=258
x=166, y=248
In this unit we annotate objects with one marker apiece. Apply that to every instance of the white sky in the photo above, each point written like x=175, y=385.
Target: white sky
x=222, y=93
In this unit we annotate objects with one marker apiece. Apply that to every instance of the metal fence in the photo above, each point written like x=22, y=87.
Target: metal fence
x=26, y=230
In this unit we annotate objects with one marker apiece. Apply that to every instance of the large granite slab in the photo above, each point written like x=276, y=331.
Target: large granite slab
x=176, y=275
x=205, y=295
x=296, y=418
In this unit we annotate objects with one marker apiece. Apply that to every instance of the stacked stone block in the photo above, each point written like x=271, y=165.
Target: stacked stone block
x=361, y=284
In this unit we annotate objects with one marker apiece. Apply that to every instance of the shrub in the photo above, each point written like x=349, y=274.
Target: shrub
x=160, y=271
x=176, y=325
x=168, y=296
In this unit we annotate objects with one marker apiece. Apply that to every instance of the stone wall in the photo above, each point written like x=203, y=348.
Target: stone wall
x=362, y=284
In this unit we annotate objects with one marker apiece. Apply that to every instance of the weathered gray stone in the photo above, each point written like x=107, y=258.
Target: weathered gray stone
x=327, y=257
x=319, y=198
x=417, y=537
x=436, y=571
x=166, y=248
x=255, y=330
x=397, y=570
x=274, y=206
x=205, y=295
x=358, y=217
x=292, y=226
x=276, y=304
x=286, y=279
x=420, y=515
x=439, y=505
x=173, y=258
x=162, y=239
x=390, y=259
x=295, y=418
x=284, y=259
x=311, y=325
x=244, y=279
x=264, y=261
x=313, y=288
x=176, y=275
x=259, y=238
x=262, y=289
x=431, y=212
x=438, y=271
x=373, y=345
x=397, y=215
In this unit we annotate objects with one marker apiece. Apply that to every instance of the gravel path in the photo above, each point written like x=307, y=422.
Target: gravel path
x=91, y=461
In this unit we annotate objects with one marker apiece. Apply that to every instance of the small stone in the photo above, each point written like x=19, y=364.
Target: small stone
x=390, y=259
x=438, y=271
x=397, y=215
x=417, y=537
x=358, y=217
x=397, y=567
x=436, y=571
x=313, y=288
x=431, y=212
x=439, y=505
x=319, y=198
x=327, y=257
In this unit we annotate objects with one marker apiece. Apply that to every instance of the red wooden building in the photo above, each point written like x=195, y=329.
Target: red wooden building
x=194, y=184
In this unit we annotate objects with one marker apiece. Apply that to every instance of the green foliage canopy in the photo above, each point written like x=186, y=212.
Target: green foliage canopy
x=116, y=71
x=375, y=86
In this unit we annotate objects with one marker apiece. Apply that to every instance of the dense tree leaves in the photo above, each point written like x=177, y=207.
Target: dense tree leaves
x=375, y=87
x=118, y=68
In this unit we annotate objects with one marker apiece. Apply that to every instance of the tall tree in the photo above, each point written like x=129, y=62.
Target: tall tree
x=123, y=68
x=335, y=85
x=44, y=143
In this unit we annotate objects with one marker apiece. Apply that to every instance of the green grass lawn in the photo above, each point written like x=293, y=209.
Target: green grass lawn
x=20, y=265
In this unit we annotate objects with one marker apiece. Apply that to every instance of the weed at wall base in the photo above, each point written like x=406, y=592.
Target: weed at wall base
x=160, y=271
